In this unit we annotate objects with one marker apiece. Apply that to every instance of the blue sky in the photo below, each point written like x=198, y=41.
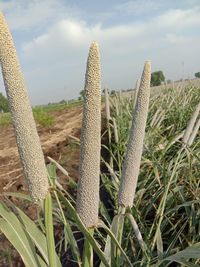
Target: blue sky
x=52, y=38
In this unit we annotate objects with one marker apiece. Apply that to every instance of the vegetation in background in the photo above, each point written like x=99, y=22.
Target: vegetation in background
x=5, y=119
x=157, y=78
x=42, y=114
x=60, y=106
x=3, y=103
x=42, y=117
x=197, y=74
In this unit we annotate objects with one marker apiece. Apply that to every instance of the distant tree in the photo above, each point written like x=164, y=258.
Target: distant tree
x=157, y=78
x=62, y=101
x=3, y=103
x=112, y=92
x=197, y=74
x=81, y=95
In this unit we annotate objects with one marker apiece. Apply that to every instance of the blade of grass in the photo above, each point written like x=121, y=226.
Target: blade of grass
x=181, y=257
x=101, y=224
x=49, y=230
x=13, y=230
x=69, y=234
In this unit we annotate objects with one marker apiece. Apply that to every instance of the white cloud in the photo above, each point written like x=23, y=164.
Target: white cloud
x=178, y=19
x=76, y=35
x=24, y=15
x=138, y=7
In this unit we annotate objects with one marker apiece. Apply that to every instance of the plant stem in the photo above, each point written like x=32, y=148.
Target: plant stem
x=88, y=252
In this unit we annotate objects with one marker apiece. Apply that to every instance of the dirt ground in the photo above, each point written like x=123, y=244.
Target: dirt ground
x=55, y=143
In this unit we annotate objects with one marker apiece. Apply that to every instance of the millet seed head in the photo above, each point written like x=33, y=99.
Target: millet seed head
x=131, y=165
x=22, y=118
x=88, y=184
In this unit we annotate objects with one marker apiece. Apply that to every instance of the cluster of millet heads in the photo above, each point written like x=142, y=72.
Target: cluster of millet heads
x=88, y=187
x=29, y=146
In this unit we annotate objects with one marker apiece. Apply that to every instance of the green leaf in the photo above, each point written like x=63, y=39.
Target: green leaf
x=49, y=230
x=191, y=252
x=159, y=244
x=114, y=240
x=35, y=234
x=13, y=230
x=109, y=252
x=69, y=237
x=18, y=195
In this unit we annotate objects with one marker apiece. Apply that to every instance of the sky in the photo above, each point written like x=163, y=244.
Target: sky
x=52, y=38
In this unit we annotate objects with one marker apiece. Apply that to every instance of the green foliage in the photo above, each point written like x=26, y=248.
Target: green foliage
x=197, y=74
x=60, y=106
x=157, y=78
x=42, y=117
x=3, y=103
x=13, y=229
x=5, y=119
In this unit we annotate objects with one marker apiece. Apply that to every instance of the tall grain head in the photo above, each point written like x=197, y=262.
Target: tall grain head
x=131, y=165
x=88, y=184
x=22, y=118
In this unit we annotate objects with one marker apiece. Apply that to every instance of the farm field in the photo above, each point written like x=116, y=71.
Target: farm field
x=169, y=112
x=55, y=140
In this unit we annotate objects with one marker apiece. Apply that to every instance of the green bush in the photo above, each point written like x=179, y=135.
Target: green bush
x=157, y=78
x=42, y=117
x=197, y=74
